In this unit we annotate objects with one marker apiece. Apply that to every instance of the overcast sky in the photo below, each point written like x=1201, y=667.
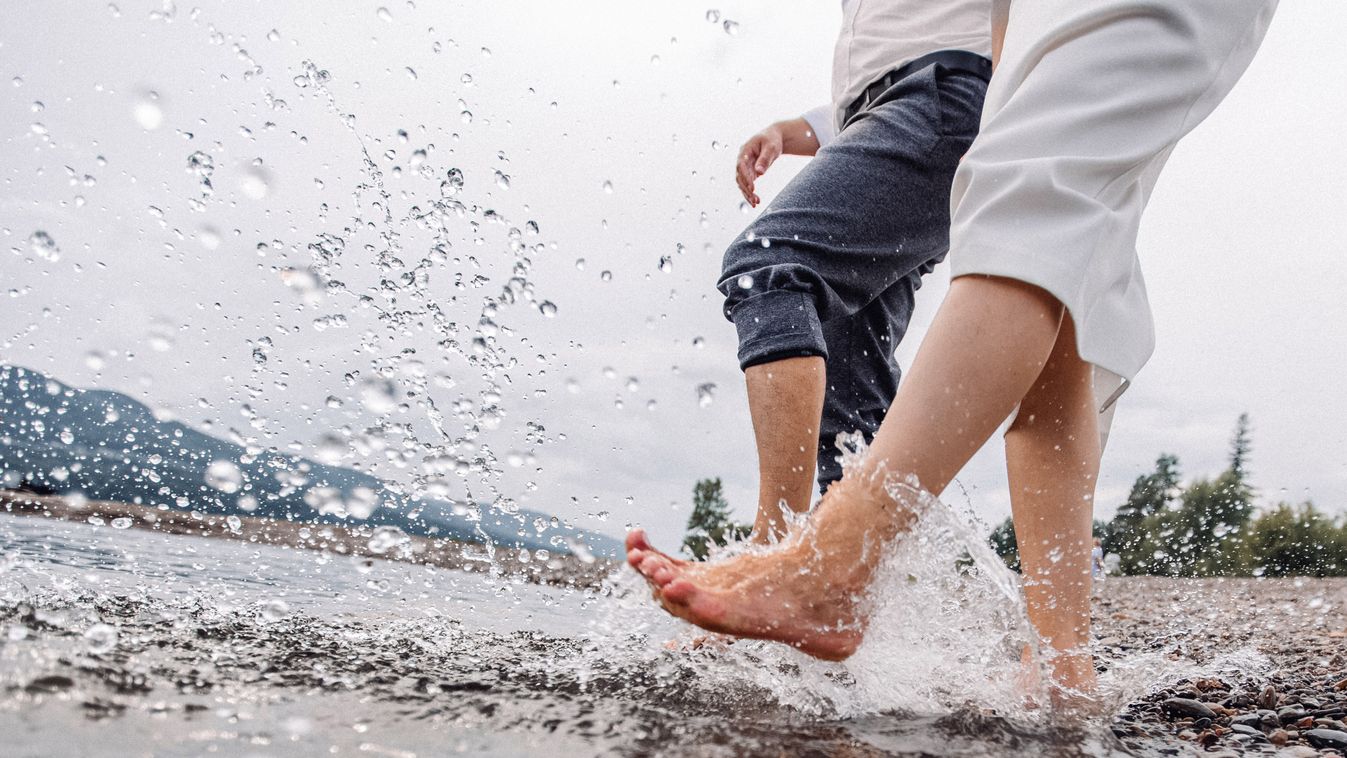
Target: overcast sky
x=613, y=126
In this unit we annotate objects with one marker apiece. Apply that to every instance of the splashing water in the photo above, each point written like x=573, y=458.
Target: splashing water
x=947, y=628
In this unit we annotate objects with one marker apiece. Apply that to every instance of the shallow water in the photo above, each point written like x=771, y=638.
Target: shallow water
x=198, y=656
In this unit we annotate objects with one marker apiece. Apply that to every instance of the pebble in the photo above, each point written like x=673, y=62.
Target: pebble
x=1268, y=698
x=1248, y=731
x=1184, y=706
x=1327, y=738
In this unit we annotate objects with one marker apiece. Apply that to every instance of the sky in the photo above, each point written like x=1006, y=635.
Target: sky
x=611, y=128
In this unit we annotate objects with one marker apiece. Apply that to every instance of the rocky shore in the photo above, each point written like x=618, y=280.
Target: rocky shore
x=361, y=541
x=1294, y=704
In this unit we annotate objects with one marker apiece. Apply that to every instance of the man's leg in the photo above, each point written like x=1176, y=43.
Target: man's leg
x=797, y=419
x=984, y=353
x=785, y=400
x=862, y=372
x=1052, y=456
x=864, y=219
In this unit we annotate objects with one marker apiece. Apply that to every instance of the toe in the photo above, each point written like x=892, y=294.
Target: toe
x=636, y=540
x=679, y=591
x=653, y=564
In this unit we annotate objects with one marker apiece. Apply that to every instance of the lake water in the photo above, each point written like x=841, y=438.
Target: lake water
x=118, y=642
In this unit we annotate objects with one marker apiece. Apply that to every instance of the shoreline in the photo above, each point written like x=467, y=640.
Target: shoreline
x=558, y=569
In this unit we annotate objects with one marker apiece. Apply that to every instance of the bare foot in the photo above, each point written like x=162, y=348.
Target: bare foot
x=1074, y=686
x=806, y=591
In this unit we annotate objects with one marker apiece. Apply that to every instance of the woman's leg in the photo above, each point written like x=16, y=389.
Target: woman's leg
x=985, y=351
x=1052, y=457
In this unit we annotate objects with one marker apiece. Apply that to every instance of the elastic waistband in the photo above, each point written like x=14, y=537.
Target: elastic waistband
x=957, y=60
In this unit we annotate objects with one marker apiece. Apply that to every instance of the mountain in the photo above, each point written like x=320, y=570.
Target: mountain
x=59, y=440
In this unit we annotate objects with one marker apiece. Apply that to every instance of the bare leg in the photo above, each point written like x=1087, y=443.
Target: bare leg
x=1052, y=456
x=785, y=399
x=984, y=352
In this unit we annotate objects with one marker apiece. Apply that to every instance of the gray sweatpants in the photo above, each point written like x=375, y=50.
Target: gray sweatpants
x=832, y=266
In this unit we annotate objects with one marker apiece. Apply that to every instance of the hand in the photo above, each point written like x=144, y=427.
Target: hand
x=755, y=157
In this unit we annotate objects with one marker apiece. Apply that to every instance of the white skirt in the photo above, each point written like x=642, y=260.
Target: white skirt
x=1088, y=99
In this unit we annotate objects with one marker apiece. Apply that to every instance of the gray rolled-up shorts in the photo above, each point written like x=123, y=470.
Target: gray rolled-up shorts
x=831, y=267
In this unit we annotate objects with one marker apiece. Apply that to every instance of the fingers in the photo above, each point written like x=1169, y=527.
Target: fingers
x=745, y=173
x=770, y=152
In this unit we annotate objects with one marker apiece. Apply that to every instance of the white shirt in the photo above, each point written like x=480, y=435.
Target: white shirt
x=881, y=35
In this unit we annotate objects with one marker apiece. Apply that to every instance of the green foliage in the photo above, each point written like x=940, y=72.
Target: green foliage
x=1298, y=541
x=1209, y=528
x=1003, y=542
x=1151, y=494
x=710, y=522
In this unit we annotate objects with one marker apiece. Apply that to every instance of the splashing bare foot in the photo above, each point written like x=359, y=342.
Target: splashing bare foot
x=807, y=591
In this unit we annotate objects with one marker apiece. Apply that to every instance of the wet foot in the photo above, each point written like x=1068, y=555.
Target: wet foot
x=1074, y=686
x=776, y=596
x=807, y=591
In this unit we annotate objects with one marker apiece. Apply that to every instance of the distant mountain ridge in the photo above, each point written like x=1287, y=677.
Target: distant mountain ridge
x=56, y=439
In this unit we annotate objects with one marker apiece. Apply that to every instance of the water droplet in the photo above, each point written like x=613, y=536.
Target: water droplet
x=273, y=36
x=234, y=523
x=633, y=384
x=255, y=183
x=122, y=523
x=698, y=342
x=43, y=246
x=608, y=186
x=548, y=308
x=665, y=264
x=502, y=180
x=387, y=538
x=201, y=164
x=378, y=395
x=274, y=610
x=209, y=237
x=453, y=181
x=411, y=73
x=713, y=16
x=731, y=27
x=384, y=14
x=224, y=476
x=706, y=394
x=100, y=638
x=606, y=276
x=147, y=111
x=38, y=129
x=745, y=282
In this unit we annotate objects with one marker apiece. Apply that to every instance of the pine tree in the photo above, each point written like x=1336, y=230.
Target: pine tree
x=1151, y=496
x=1004, y=543
x=1240, y=447
x=710, y=522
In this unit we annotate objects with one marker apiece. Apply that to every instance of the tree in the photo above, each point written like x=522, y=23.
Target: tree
x=1151, y=494
x=1003, y=542
x=1297, y=541
x=1240, y=447
x=710, y=522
